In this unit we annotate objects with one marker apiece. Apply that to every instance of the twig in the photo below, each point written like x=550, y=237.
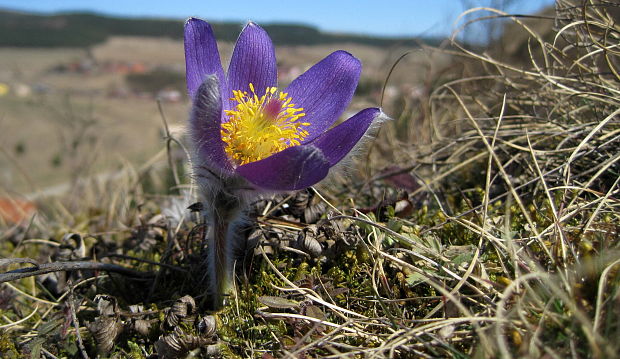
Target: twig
x=70, y=266
x=48, y=354
x=387, y=78
x=169, y=139
x=123, y=256
x=76, y=323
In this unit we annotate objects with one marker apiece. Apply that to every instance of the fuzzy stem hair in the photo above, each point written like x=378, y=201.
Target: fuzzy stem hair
x=223, y=213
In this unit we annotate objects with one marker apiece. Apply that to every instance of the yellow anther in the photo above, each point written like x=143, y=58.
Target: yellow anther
x=258, y=127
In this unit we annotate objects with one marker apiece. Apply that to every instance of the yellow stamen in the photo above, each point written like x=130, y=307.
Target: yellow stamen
x=258, y=127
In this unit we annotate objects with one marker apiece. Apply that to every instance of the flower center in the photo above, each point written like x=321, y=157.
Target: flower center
x=258, y=127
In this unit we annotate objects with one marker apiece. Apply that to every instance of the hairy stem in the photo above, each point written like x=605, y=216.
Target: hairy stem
x=223, y=217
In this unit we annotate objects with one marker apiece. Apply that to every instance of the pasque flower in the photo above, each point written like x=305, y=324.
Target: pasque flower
x=276, y=140
x=249, y=137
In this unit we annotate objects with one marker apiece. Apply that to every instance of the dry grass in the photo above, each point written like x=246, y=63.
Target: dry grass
x=505, y=243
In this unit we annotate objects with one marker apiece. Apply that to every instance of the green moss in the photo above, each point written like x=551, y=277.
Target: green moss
x=7, y=347
x=134, y=351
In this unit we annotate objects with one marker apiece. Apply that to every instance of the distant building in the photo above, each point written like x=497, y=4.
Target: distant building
x=14, y=211
x=170, y=95
x=22, y=90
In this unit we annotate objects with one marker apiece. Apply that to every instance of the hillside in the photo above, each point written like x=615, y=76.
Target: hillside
x=87, y=29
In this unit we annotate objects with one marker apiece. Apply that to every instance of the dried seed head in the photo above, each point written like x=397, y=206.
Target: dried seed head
x=307, y=241
x=178, y=344
x=71, y=247
x=107, y=325
x=170, y=346
x=207, y=326
x=182, y=311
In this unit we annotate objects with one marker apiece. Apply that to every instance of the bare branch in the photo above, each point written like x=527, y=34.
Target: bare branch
x=70, y=266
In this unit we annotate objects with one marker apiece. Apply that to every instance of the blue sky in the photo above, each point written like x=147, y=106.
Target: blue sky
x=374, y=17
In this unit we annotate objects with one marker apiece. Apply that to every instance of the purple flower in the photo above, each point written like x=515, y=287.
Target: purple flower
x=243, y=126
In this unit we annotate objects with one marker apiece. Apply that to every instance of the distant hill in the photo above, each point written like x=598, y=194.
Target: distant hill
x=87, y=29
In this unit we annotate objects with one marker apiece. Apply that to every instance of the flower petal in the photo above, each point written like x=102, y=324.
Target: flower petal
x=205, y=126
x=253, y=61
x=325, y=90
x=340, y=140
x=294, y=168
x=201, y=55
